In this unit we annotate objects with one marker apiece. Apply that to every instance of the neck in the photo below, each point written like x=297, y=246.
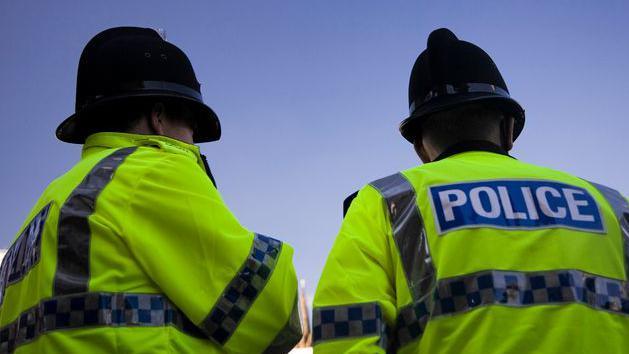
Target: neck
x=471, y=145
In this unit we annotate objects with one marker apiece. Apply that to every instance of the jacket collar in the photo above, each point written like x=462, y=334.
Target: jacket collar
x=112, y=140
x=471, y=145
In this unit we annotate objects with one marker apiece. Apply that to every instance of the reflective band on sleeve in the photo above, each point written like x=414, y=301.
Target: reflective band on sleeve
x=621, y=209
x=73, y=263
x=241, y=292
x=460, y=294
x=289, y=336
x=93, y=309
x=348, y=321
x=411, y=323
x=408, y=232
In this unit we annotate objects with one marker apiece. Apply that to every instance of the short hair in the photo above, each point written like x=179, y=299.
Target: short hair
x=125, y=115
x=476, y=121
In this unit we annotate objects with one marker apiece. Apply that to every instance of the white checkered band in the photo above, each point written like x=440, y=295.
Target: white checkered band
x=348, y=321
x=242, y=291
x=411, y=323
x=460, y=294
x=86, y=310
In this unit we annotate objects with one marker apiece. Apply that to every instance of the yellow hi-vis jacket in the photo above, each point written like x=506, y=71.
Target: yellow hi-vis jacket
x=134, y=251
x=478, y=253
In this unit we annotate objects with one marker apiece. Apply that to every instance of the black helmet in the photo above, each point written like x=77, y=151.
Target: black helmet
x=451, y=73
x=130, y=63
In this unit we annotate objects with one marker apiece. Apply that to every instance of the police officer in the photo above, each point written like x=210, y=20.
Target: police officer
x=474, y=251
x=133, y=250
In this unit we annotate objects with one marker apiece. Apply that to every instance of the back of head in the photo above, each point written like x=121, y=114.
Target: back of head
x=472, y=122
x=448, y=76
x=126, y=115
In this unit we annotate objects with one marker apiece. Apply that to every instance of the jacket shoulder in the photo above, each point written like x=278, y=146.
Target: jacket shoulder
x=394, y=185
x=391, y=186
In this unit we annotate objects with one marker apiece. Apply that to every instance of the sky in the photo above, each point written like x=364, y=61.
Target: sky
x=310, y=94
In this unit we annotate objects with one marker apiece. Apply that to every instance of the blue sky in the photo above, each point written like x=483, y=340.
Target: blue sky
x=310, y=94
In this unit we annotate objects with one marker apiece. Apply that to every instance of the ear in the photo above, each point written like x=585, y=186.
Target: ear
x=420, y=150
x=156, y=120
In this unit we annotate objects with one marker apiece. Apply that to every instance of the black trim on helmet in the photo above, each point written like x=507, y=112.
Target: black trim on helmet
x=447, y=98
x=75, y=128
x=449, y=89
x=141, y=87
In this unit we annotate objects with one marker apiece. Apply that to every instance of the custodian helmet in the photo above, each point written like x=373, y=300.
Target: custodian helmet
x=123, y=64
x=451, y=73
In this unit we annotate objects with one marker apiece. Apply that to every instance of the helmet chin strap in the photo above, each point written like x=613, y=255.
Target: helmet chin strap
x=504, y=134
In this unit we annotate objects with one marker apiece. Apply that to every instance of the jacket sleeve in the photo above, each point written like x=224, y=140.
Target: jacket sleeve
x=355, y=298
x=238, y=287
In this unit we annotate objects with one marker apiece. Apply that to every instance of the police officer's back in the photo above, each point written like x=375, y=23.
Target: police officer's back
x=133, y=249
x=475, y=251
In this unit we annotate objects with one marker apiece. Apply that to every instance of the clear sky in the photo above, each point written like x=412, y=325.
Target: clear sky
x=310, y=94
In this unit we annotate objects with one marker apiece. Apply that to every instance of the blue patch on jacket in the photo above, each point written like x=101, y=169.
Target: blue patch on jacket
x=514, y=204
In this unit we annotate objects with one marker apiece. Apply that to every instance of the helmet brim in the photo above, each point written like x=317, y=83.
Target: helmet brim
x=76, y=128
x=410, y=127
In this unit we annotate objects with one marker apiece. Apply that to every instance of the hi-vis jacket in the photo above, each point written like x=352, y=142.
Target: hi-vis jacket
x=134, y=251
x=478, y=253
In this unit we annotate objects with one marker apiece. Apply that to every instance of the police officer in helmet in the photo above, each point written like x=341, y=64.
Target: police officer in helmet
x=133, y=249
x=474, y=251
x=458, y=99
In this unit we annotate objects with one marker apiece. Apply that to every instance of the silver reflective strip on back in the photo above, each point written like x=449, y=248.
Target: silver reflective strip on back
x=408, y=232
x=621, y=209
x=348, y=321
x=289, y=336
x=241, y=292
x=73, y=264
x=85, y=310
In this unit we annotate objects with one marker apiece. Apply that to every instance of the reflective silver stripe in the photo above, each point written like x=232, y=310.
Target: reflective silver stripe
x=73, y=264
x=408, y=232
x=348, y=321
x=24, y=253
x=517, y=289
x=289, y=336
x=242, y=291
x=621, y=209
x=85, y=310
